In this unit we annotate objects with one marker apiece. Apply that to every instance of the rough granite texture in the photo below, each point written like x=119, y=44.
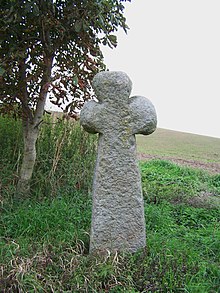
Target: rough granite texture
x=118, y=210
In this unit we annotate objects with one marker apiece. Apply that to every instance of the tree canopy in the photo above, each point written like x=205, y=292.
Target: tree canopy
x=54, y=46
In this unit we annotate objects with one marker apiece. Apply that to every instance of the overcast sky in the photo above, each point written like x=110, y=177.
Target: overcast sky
x=172, y=55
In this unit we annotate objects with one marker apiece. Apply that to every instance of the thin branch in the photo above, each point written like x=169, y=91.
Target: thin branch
x=23, y=93
x=43, y=91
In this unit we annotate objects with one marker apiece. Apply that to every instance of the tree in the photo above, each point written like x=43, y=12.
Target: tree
x=51, y=48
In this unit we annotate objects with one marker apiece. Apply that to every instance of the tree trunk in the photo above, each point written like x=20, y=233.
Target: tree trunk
x=30, y=134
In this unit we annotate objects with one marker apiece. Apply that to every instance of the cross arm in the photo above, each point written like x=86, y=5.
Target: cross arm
x=90, y=117
x=143, y=115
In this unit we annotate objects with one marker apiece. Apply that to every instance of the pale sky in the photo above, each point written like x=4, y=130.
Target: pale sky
x=172, y=55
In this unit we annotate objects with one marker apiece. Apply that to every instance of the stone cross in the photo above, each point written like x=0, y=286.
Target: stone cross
x=118, y=211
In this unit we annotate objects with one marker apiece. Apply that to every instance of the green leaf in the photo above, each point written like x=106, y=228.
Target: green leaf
x=78, y=26
x=75, y=80
x=70, y=32
x=27, y=7
x=2, y=71
x=85, y=26
x=35, y=10
x=102, y=22
x=113, y=40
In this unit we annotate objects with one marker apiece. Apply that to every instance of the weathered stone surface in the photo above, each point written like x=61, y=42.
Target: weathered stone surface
x=118, y=211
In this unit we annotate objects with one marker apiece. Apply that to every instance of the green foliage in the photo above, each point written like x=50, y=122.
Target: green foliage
x=186, y=239
x=44, y=246
x=65, y=163
x=67, y=34
x=163, y=180
x=44, y=241
x=10, y=137
x=10, y=152
x=52, y=221
x=215, y=182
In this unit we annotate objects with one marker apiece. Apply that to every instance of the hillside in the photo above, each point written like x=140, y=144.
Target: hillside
x=184, y=148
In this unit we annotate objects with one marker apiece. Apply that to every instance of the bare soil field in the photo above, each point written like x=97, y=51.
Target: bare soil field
x=188, y=149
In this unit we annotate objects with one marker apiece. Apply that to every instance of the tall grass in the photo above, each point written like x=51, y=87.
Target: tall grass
x=44, y=240
x=11, y=146
x=65, y=157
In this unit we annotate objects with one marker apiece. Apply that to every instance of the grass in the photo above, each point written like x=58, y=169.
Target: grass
x=65, y=158
x=180, y=145
x=44, y=240
x=163, y=180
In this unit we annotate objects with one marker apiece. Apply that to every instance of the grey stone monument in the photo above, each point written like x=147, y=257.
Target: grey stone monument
x=118, y=211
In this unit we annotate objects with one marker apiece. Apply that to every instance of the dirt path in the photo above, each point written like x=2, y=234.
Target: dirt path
x=213, y=168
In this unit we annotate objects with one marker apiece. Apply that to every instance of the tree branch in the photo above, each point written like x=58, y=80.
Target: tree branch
x=48, y=61
x=22, y=91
